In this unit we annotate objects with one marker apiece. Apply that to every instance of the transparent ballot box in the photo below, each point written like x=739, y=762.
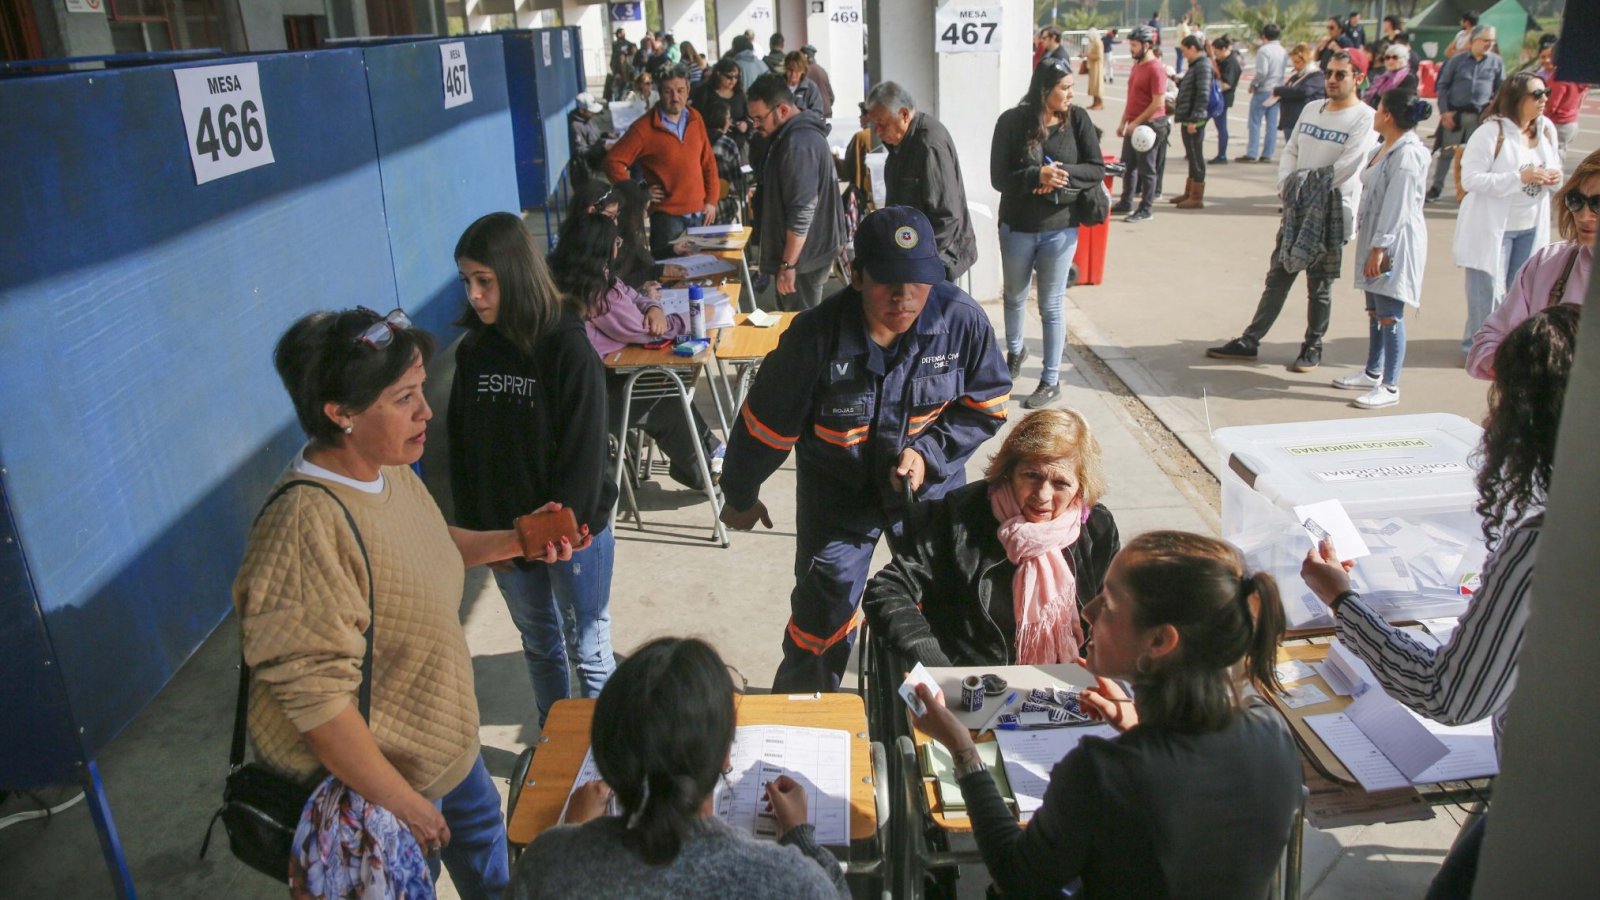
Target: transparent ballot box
x=1406, y=483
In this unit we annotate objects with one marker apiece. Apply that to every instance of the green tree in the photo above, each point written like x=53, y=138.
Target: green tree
x=1298, y=21
x=1083, y=19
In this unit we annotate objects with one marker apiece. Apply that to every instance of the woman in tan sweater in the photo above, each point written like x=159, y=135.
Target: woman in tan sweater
x=356, y=379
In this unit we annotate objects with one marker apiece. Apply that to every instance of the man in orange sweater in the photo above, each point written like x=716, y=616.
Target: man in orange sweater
x=669, y=144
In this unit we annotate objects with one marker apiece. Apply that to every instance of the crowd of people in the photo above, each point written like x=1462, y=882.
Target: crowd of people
x=883, y=391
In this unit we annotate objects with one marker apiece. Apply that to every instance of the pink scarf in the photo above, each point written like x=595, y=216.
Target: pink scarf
x=1044, y=592
x=1384, y=82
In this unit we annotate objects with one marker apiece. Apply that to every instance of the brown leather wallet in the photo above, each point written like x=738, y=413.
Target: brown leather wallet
x=535, y=530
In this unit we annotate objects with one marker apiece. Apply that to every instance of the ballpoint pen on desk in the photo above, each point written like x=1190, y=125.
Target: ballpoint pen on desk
x=989, y=725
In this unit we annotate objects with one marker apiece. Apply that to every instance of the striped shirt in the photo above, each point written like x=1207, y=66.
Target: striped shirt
x=1473, y=676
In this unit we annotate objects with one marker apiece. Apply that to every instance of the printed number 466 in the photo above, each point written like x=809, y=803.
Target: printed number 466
x=231, y=132
x=968, y=33
x=455, y=83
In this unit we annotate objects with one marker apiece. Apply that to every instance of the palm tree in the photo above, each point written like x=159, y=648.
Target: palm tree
x=1297, y=21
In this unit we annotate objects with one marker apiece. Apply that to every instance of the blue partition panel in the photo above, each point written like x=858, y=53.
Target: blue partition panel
x=140, y=418
x=558, y=88
x=541, y=96
x=441, y=168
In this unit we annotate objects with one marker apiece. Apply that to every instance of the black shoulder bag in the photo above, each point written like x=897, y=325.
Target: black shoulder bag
x=260, y=806
x=1092, y=205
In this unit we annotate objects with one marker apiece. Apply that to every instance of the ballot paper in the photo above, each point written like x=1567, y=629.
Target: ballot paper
x=762, y=319
x=1303, y=695
x=1328, y=519
x=588, y=772
x=1393, y=729
x=715, y=230
x=1350, y=671
x=1469, y=749
x=1029, y=755
x=1292, y=670
x=817, y=758
x=698, y=265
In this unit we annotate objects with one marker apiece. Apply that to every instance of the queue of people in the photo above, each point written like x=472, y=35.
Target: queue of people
x=883, y=391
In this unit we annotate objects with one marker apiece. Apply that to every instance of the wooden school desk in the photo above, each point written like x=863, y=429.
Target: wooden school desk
x=743, y=347
x=565, y=740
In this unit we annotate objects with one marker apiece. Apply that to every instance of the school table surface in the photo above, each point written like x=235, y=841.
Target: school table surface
x=565, y=740
x=742, y=341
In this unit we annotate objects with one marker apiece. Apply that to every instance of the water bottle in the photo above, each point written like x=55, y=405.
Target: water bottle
x=697, y=310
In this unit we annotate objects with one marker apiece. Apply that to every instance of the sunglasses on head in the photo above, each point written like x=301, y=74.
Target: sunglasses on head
x=1575, y=202
x=1060, y=65
x=381, y=333
x=1540, y=94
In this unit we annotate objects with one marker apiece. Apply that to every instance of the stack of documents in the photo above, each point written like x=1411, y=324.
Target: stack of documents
x=937, y=764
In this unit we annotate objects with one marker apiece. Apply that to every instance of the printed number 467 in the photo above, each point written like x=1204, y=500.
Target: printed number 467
x=231, y=131
x=968, y=33
x=455, y=84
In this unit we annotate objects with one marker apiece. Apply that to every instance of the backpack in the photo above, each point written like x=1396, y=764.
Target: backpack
x=1214, y=104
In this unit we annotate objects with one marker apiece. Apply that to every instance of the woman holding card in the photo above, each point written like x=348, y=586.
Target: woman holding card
x=662, y=738
x=526, y=427
x=1474, y=674
x=615, y=315
x=994, y=573
x=1197, y=793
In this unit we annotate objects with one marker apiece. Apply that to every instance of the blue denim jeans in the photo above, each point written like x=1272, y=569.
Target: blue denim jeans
x=1515, y=248
x=1262, y=115
x=1222, y=134
x=562, y=610
x=1050, y=254
x=1386, y=344
x=476, y=855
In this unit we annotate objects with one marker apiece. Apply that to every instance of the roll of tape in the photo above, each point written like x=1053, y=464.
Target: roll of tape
x=972, y=693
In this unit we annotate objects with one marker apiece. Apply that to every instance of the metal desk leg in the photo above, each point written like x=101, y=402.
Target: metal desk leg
x=723, y=415
x=747, y=303
x=719, y=533
x=622, y=445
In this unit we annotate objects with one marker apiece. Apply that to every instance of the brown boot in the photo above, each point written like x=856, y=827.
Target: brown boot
x=1188, y=187
x=1196, y=198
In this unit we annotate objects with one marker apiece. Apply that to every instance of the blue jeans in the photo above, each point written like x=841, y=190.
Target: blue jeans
x=1222, y=134
x=1386, y=344
x=1515, y=248
x=476, y=855
x=1050, y=253
x=1262, y=115
x=561, y=609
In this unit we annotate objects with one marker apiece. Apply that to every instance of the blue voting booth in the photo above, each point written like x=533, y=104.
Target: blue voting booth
x=544, y=74
x=141, y=421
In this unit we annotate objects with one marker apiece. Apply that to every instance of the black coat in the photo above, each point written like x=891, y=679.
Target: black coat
x=922, y=172
x=951, y=564
x=1014, y=165
x=1293, y=97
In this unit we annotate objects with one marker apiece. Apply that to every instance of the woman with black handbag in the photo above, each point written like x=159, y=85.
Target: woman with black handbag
x=349, y=599
x=1045, y=161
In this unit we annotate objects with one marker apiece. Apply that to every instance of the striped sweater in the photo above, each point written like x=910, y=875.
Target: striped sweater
x=1473, y=676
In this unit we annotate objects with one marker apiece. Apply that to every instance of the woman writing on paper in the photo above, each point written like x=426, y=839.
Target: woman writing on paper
x=1474, y=674
x=994, y=573
x=662, y=737
x=526, y=427
x=1196, y=795
x=615, y=316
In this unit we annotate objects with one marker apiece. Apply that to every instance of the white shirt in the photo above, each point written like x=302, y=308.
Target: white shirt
x=1327, y=137
x=312, y=470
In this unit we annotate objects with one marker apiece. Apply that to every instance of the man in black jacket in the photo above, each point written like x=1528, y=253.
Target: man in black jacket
x=802, y=221
x=923, y=172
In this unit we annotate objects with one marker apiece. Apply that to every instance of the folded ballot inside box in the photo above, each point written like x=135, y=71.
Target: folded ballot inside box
x=1406, y=484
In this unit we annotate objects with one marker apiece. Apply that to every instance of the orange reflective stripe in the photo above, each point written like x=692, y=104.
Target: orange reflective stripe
x=849, y=438
x=929, y=416
x=818, y=646
x=994, y=406
x=764, y=434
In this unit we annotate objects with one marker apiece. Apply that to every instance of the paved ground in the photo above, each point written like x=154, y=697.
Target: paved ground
x=1176, y=285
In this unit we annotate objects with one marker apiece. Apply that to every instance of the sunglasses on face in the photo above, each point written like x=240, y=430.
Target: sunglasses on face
x=381, y=333
x=1340, y=74
x=1575, y=202
x=1540, y=94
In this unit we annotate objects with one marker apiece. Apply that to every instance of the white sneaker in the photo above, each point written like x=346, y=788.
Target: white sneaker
x=1355, y=381
x=1378, y=397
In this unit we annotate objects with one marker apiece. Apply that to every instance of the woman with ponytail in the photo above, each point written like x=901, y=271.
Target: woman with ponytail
x=1200, y=788
x=1392, y=239
x=662, y=736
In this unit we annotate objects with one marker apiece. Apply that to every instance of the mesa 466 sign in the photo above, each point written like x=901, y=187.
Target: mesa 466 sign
x=967, y=29
x=224, y=119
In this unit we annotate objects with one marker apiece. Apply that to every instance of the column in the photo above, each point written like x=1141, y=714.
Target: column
x=734, y=17
x=590, y=19
x=835, y=28
x=685, y=20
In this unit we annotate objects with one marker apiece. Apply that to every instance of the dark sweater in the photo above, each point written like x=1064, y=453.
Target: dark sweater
x=1229, y=71
x=1014, y=169
x=525, y=430
x=800, y=193
x=922, y=172
x=1152, y=813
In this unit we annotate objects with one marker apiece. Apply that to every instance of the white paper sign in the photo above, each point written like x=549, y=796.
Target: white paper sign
x=566, y=44
x=967, y=29
x=86, y=6
x=224, y=121
x=845, y=12
x=544, y=41
x=457, y=80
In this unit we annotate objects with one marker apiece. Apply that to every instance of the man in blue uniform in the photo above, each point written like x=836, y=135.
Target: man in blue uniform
x=894, y=380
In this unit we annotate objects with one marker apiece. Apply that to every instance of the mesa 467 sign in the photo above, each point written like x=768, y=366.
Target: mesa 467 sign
x=967, y=29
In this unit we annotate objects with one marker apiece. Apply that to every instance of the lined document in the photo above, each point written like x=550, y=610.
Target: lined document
x=1030, y=755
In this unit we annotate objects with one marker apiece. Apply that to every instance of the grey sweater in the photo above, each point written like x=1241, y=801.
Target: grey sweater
x=591, y=860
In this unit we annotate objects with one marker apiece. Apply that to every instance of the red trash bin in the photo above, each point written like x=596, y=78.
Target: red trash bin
x=1090, y=257
x=1427, y=78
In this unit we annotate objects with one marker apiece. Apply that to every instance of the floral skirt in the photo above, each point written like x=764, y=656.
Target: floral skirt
x=346, y=847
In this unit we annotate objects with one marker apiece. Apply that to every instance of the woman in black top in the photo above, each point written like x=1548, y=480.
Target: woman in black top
x=527, y=426
x=1228, y=72
x=1045, y=153
x=722, y=83
x=1305, y=83
x=1196, y=795
x=954, y=594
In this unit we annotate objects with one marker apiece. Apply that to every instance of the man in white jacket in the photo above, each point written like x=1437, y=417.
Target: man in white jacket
x=1337, y=133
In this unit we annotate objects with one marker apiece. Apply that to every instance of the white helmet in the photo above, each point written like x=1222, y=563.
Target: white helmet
x=1144, y=137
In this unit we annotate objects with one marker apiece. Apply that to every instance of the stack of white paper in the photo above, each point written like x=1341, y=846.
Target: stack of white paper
x=1385, y=745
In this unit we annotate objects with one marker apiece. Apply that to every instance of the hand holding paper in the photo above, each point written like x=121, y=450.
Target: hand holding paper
x=908, y=688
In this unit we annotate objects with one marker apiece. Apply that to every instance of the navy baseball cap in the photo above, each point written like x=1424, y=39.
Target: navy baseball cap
x=895, y=246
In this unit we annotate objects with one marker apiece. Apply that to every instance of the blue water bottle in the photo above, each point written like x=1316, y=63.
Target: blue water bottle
x=697, y=310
